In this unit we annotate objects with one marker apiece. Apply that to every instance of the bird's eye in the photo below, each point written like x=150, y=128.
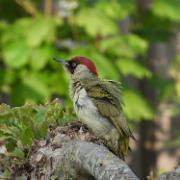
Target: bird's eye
x=73, y=65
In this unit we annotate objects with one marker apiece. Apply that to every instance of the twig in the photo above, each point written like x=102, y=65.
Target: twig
x=27, y=6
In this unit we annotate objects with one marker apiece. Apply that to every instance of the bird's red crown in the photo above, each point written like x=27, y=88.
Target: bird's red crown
x=85, y=61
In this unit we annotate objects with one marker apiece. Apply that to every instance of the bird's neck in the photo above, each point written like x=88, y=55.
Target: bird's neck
x=83, y=75
x=80, y=78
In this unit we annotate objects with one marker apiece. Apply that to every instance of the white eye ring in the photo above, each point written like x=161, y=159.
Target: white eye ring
x=74, y=64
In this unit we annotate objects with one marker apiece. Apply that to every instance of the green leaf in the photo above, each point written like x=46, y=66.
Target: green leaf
x=115, y=9
x=96, y=22
x=40, y=114
x=116, y=46
x=138, y=44
x=40, y=56
x=11, y=144
x=33, y=87
x=37, y=82
x=133, y=67
x=27, y=136
x=136, y=106
x=16, y=31
x=41, y=130
x=40, y=122
x=18, y=153
x=16, y=54
x=62, y=79
x=124, y=45
x=6, y=174
x=171, y=9
x=42, y=29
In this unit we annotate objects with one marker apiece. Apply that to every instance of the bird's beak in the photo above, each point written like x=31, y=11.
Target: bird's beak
x=62, y=61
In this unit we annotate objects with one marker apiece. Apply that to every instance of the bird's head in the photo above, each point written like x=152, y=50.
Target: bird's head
x=78, y=64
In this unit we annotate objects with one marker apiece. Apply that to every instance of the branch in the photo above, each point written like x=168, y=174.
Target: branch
x=173, y=175
x=81, y=158
x=64, y=158
x=27, y=6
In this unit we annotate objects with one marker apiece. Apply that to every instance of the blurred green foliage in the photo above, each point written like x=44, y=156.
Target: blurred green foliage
x=30, y=36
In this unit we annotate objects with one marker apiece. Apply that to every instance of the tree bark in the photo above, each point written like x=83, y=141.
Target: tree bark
x=67, y=158
x=173, y=175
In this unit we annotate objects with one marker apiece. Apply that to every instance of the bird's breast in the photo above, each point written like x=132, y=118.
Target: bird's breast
x=83, y=105
x=89, y=114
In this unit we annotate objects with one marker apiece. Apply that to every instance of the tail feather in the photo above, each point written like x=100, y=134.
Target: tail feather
x=123, y=147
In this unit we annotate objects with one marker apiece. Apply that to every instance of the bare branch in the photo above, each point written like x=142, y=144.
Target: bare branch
x=27, y=6
x=173, y=175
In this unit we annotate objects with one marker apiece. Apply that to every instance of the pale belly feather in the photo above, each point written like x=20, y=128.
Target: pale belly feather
x=88, y=114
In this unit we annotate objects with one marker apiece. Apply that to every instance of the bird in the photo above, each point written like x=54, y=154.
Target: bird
x=98, y=104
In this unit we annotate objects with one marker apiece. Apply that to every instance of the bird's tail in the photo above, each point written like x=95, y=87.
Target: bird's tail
x=123, y=147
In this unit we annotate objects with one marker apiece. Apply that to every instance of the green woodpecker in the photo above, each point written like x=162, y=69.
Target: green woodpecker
x=98, y=104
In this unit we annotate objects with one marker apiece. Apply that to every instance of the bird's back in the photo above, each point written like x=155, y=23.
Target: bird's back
x=98, y=104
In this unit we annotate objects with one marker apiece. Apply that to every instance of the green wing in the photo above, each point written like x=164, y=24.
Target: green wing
x=107, y=97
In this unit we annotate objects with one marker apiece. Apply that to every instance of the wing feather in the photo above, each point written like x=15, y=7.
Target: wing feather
x=107, y=97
